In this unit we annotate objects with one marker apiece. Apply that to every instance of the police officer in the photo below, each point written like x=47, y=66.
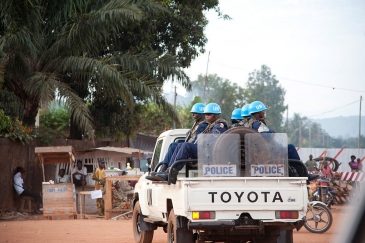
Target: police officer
x=246, y=117
x=236, y=117
x=216, y=125
x=257, y=122
x=199, y=126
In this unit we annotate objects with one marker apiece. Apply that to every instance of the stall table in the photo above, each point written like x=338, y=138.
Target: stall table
x=108, y=193
x=58, y=199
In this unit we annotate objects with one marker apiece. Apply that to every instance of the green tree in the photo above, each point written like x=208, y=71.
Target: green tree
x=226, y=94
x=184, y=114
x=11, y=105
x=154, y=120
x=65, y=45
x=262, y=85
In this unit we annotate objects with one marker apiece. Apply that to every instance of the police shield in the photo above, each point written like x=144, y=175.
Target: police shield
x=266, y=154
x=219, y=155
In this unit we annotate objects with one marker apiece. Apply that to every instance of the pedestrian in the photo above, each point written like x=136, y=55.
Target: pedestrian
x=354, y=165
x=359, y=163
x=99, y=177
x=311, y=164
x=22, y=190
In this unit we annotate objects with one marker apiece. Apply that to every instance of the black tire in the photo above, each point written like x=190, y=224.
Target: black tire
x=140, y=236
x=286, y=236
x=334, y=163
x=175, y=235
x=320, y=221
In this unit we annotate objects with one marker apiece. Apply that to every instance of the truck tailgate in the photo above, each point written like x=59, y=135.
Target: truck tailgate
x=230, y=196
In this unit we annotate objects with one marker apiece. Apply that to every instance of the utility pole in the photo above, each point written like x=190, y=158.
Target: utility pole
x=287, y=118
x=310, y=135
x=174, y=106
x=206, y=78
x=359, y=141
x=300, y=132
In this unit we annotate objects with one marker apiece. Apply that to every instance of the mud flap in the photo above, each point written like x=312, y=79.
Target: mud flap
x=286, y=236
x=145, y=225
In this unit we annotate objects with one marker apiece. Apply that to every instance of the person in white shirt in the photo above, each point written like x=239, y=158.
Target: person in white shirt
x=79, y=174
x=62, y=178
x=22, y=190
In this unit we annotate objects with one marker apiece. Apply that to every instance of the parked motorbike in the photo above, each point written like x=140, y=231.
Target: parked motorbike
x=318, y=218
x=324, y=192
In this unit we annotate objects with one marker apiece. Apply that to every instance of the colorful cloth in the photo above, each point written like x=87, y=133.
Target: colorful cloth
x=119, y=199
x=100, y=175
x=327, y=172
x=354, y=166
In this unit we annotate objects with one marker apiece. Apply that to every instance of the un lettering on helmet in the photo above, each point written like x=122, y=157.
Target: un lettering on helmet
x=215, y=108
x=259, y=106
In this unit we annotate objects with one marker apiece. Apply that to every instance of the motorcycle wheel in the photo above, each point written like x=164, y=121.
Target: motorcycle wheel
x=319, y=219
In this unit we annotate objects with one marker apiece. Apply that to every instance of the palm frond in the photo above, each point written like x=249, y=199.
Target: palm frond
x=44, y=85
x=108, y=76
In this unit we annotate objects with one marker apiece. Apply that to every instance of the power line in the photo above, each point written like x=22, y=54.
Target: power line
x=308, y=83
x=334, y=109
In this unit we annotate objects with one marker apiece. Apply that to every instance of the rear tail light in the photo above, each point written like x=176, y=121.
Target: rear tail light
x=286, y=214
x=203, y=215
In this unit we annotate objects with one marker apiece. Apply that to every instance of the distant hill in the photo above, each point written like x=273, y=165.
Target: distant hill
x=342, y=126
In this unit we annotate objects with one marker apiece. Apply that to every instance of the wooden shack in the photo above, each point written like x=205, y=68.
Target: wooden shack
x=58, y=199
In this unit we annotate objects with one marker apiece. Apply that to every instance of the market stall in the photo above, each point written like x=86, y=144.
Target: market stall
x=58, y=199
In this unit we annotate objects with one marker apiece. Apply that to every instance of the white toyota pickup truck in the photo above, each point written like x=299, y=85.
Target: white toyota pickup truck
x=238, y=190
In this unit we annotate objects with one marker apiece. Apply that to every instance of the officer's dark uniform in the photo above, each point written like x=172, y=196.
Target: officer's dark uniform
x=191, y=138
x=261, y=127
x=190, y=150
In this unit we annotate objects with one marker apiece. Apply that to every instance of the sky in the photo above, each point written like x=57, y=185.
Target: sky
x=315, y=48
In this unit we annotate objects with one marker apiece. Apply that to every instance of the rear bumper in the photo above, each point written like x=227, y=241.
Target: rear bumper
x=231, y=224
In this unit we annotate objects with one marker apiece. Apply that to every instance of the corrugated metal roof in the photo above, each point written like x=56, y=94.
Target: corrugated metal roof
x=124, y=150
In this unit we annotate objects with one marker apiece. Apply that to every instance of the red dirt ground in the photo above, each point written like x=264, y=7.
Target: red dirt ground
x=35, y=229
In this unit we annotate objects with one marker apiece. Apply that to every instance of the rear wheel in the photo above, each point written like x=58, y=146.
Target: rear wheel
x=319, y=219
x=178, y=235
x=140, y=236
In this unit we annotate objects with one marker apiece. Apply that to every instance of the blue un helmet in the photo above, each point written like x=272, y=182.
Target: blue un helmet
x=198, y=108
x=245, y=110
x=256, y=106
x=212, y=108
x=236, y=114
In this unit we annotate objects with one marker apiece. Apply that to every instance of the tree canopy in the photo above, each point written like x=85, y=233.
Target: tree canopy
x=120, y=51
x=262, y=85
x=218, y=90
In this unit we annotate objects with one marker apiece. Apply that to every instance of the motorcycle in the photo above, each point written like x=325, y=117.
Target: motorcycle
x=324, y=192
x=318, y=218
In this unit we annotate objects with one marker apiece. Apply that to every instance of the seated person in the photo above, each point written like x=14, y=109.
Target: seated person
x=216, y=125
x=62, y=178
x=126, y=187
x=22, y=190
x=257, y=122
x=119, y=197
x=79, y=174
x=236, y=117
x=199, y=126
x=326, y=170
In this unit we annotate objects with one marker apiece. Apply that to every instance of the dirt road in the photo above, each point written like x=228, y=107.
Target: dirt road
x=100, y=230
